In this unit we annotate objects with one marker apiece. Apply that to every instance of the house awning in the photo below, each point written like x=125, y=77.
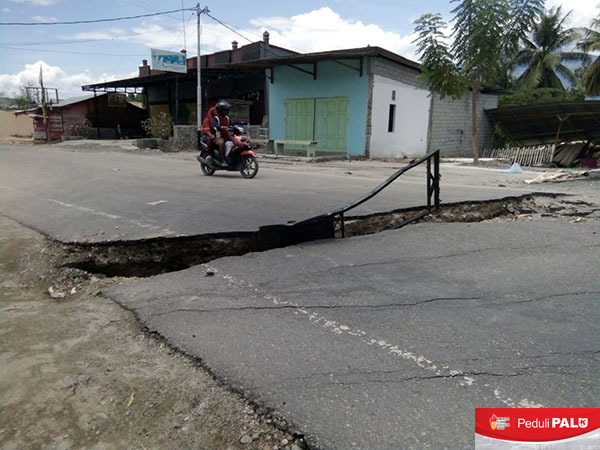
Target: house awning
x=547, y=123
x=136, y=84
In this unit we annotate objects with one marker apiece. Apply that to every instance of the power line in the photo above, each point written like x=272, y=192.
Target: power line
x=228, y=27
x=75, y=22
x=79, y=41
x=177, y=38
x=43, y=50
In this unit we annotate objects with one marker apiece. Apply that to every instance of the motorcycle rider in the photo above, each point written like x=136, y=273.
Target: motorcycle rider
x=219, y=115
x=208, y=137
x=215, y=132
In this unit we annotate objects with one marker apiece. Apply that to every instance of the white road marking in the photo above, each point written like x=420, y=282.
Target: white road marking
x=87, y=210
x=391, y=349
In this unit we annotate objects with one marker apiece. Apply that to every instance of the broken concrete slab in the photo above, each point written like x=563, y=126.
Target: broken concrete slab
x=392, y=340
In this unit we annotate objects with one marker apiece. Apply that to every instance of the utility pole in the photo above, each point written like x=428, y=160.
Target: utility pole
x=199, y=71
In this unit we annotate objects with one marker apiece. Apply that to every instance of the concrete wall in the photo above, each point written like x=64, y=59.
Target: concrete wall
x=11, y=125
x=450, y=126
x=409, y=135
x=333, y=80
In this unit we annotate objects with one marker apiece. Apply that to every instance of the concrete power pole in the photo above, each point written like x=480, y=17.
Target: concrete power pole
x=199, y=71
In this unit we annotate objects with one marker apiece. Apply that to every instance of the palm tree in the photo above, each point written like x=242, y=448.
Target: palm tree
x=590, y=43
x=542, y=55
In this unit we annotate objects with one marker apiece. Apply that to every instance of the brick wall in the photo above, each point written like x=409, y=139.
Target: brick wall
x=394, y=71
x=450, y=124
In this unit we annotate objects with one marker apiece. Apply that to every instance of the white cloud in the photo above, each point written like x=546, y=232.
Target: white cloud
x=318, y=30
x=324, y=29
x=44, y=19
x=583, y=11
x=68, y=85
x=36, y=2
x=6, y=10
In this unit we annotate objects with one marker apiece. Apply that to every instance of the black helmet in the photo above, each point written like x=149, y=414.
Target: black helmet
x=237, y=130
x=223, y=108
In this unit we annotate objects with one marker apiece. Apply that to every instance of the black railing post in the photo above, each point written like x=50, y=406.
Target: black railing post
x=430, y=182
x=436, y=175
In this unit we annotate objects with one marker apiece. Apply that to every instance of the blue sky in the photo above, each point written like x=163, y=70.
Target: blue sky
x=73, y=55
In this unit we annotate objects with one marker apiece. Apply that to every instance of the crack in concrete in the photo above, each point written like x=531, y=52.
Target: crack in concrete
x=521, y=371
x=524, y=357
x=310, y=307
x=546, y=297
x=380, y=306
x=452, y=255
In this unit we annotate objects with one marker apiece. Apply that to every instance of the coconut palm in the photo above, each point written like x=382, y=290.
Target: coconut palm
x=590, y=43
x=542, y=55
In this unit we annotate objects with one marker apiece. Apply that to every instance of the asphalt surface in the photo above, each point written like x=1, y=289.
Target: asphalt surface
x=83, y=195
x=381, y=341
x=391, y=340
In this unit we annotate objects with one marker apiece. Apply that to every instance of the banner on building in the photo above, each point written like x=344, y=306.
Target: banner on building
x=168, y=61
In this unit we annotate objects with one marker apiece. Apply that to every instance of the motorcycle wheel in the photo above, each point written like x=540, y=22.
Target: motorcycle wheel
x=207, y=170
x=249, y=167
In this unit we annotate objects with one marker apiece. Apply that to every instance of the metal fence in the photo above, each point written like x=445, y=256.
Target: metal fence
x=524, y=156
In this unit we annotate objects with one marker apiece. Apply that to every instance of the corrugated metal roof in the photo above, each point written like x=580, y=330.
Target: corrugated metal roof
x=73, y=100
x=309, y=58
x=542, y=123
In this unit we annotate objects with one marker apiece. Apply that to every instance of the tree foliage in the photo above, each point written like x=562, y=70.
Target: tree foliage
x=486, y=36
x=591, y=43
x=23, y=99
x=159, y=125
x=543, y=54
x=540, y=95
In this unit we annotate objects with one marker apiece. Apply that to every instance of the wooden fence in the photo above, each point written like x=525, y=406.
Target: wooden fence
x=524, y=156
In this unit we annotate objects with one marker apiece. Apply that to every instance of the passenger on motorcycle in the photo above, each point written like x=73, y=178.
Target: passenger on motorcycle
x=219, y=115
x=215, y=131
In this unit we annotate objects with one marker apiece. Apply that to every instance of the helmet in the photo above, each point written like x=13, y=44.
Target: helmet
x=237, y=130
x=223, y=108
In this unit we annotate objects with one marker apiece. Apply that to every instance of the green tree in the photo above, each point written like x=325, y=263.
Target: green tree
x=159, y=125
x=540, y=95
x=23, y=99
x=486, y=35
x=543, y=56
x=590, y=43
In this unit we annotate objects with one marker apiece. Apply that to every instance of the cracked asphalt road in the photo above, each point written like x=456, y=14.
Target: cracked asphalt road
x=392, y=340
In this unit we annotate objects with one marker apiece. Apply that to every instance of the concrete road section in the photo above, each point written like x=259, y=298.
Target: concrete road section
x=392, y=340
x=96, y=196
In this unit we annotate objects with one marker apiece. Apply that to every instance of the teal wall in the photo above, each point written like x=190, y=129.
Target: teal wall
x=333, y=80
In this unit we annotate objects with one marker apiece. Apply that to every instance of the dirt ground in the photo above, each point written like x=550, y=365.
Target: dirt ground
x=77, y=371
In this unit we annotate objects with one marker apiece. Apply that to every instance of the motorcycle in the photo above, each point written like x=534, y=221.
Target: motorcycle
x=241, y=157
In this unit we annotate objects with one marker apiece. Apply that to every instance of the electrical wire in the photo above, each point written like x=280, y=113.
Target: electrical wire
x=228, y=27
x=184, y=24
x=177, y=38
x=75, y=22
x=43, y=50
x=78, y=41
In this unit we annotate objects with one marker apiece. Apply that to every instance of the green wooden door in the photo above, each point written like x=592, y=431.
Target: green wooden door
x=299, y=119
x=331, y=124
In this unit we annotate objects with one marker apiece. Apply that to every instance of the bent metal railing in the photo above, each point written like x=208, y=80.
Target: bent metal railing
x=331, y=224
x=433, y=192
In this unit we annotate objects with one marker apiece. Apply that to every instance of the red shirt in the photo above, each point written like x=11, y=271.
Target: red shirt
x=215, y=120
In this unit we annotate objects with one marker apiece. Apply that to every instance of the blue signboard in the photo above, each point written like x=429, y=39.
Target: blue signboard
x=168, y=61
